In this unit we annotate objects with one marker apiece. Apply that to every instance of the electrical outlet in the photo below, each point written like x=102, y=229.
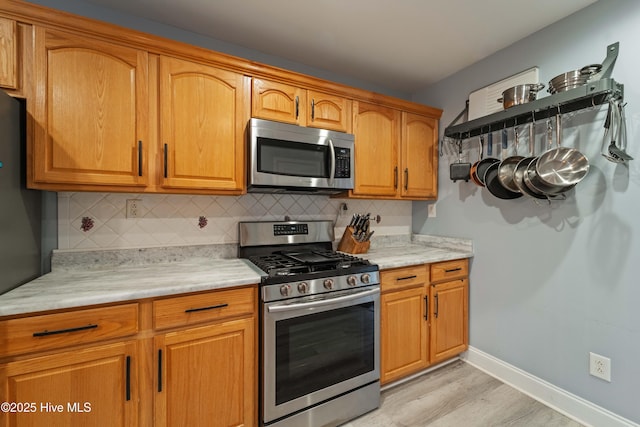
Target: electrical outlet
x=133, y=208
x=600, y=366
x=431, y=210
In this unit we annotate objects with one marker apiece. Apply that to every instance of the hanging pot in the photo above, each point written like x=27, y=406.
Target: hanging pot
x=507, y=167
x=523, y=164
x=492, y=181
x=561, y=168
x=483, y=165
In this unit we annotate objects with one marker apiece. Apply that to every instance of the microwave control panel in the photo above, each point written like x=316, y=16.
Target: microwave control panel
x=343, y=163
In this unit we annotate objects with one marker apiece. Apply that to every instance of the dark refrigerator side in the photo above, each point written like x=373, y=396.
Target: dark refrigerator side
x=21, y=209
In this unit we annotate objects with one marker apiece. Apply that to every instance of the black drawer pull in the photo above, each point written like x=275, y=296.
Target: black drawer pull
x=139, y=158
x=407, y=277
x=211, y=307
x=435, y=312
x=64, y=331
x=128, y=379
x=160, y=371
x=451, y=270
x=426, y=307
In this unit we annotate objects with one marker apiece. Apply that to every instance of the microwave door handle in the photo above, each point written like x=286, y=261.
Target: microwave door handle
x=328, y=301
x=332, y=174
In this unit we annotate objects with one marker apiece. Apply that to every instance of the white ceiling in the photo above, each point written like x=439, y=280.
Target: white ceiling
x=404, y=45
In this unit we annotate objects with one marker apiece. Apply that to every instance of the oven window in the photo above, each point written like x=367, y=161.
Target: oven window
x=293, y=158
x=318, y=350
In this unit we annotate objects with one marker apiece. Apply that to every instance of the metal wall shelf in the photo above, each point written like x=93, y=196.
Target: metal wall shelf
x=590, y=95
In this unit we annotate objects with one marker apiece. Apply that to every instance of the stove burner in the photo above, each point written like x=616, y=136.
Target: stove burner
x=287, y=263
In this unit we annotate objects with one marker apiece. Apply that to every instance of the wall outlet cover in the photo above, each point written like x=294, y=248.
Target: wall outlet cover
x=600, y=366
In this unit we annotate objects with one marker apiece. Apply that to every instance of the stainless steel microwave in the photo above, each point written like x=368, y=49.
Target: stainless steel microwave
x=285, y=158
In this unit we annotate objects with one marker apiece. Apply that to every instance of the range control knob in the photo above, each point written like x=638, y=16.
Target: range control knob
x=303, y=287
x=328, y=284
x=285, y=290
x=352, y=281
x=365, y=278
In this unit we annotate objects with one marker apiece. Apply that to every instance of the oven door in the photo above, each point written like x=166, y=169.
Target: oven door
x=318, y=347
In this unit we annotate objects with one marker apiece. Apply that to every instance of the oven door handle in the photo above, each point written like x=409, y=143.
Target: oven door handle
x=312, y=304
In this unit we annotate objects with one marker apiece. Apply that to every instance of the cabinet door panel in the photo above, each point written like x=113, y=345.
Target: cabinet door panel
x=419, y=157
x=83, y=388
x=209, y=376
x=328, y=111
x=91, y=111
x=450, y=317
x=204, y=112
x=278, y=101
x=404, y=333
x=8, y=54
x=377, y=134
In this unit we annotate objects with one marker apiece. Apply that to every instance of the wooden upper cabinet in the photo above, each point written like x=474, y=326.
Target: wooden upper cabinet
x=277, y=101
x=291, y=104
x=377, y=135
x=203, y=115
x=91, y=111
x=8, y=54
x=419, y=156
x=328, y=111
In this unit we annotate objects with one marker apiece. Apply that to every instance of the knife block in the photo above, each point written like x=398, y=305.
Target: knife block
x=349, y=244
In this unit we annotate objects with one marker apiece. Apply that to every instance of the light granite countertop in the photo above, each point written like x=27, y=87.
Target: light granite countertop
x=99, y=277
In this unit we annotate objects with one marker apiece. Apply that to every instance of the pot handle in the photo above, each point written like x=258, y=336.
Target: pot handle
x=537, y=87
x=490, y=144
x=500, y=100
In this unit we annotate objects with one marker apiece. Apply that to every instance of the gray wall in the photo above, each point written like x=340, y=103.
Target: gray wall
x=107, y=15
x=551, y=283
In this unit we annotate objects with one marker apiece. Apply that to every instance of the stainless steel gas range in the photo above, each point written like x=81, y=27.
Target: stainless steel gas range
x=320, y=325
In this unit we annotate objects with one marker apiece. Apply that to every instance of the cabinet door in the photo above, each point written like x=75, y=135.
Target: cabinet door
x=278, y=101
x=328, y=111
x=204, y=112
x=207, y=376
x=403, y=331
x=377, y=135
x=449, y=319
x=8, y=54
x=419, y=156
x=91, y=111
x=96, y=386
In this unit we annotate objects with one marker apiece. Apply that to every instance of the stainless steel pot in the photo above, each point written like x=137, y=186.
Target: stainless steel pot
x=520, y=94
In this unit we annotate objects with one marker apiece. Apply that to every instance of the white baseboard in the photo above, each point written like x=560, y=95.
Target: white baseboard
x=572, y=406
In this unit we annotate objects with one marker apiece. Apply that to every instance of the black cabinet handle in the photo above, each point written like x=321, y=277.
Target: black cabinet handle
x=406, y=277
x=406, y=179
x=395, y=177
x=297, y=106
x=128, y=379
x=165, y=160
x=451, y=270
x=435, y=311
x=313, y=109
x=159, y=371
x=64, y=331
x=426, y=307
x=139, y=158
x=211, y=307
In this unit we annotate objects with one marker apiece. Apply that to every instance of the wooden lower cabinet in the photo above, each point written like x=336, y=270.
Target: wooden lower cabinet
x=404, y=333
x=186, y=360
x=449, y=320
x=96, y=386
x=206, y=376
x=423, y=321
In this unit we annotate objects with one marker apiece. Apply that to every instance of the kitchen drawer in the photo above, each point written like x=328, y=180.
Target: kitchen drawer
x=193, y=309
x=402, y=278
x=51, y=331
x=448, y=270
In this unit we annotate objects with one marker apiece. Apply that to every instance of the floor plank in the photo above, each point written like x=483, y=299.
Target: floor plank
x=459, y=395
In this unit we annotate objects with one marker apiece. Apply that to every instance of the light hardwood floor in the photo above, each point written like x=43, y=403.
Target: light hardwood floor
x=459, y=395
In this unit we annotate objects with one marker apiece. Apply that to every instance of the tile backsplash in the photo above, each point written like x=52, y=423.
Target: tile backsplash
x=99, y=221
